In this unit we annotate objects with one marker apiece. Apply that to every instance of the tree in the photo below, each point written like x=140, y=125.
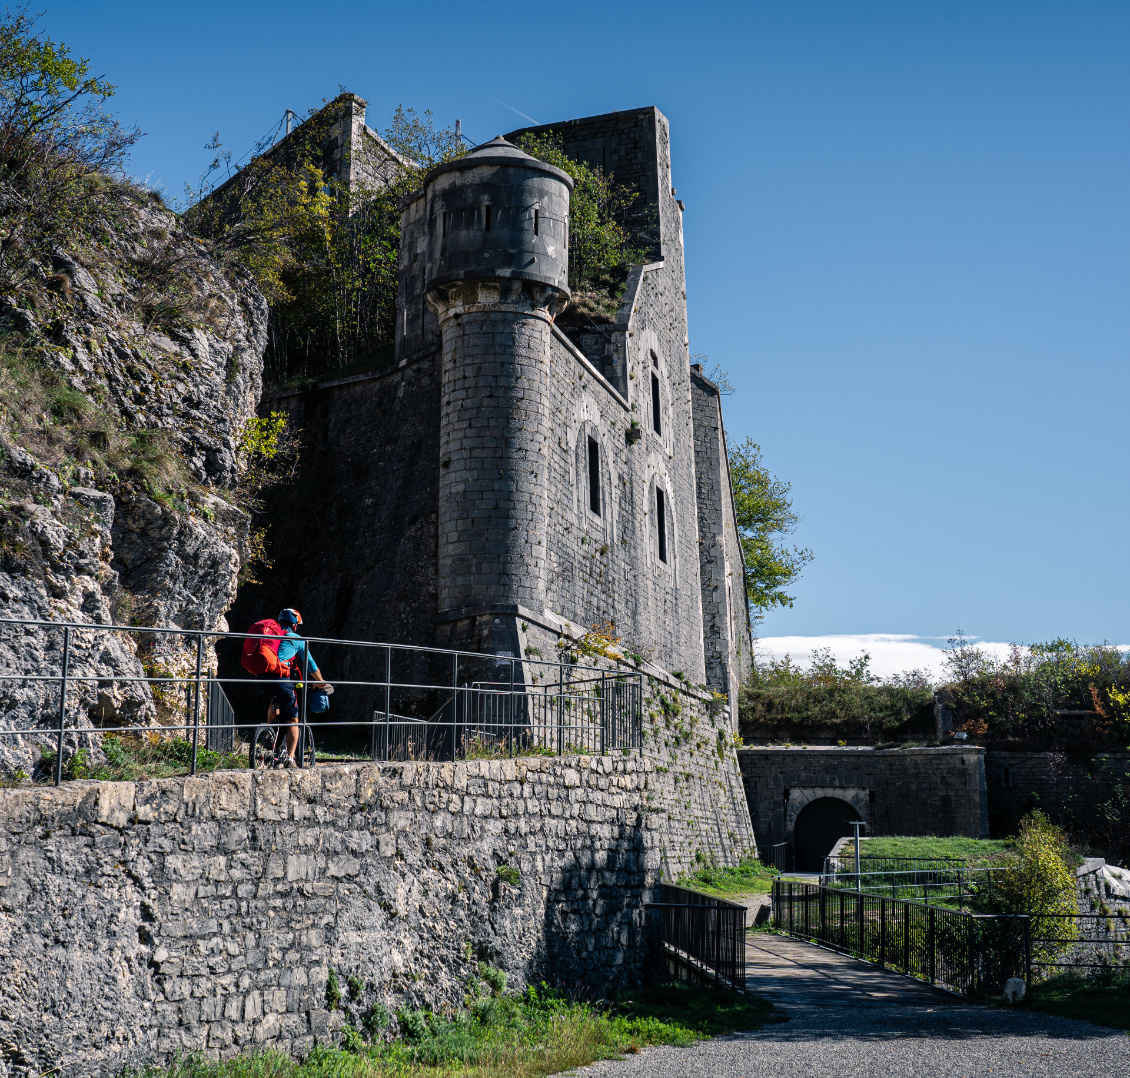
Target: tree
x=57, y=146
x=764, y=513
x=1038, y=880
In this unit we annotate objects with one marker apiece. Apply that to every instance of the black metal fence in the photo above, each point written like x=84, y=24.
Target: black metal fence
x=958, y=885
x=703, y=937
x=413, y=703
x=845, y=863
x=955, y=949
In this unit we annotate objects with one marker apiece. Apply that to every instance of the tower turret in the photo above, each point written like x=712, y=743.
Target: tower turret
x=496, y=275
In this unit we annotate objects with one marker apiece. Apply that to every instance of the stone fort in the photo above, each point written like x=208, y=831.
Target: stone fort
x=519, y=474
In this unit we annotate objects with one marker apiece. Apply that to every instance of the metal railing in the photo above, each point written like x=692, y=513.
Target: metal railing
x=703, y=936
x=955, y=949
x=783, y=859
x=407, y=702
x=959, y=884
x=845, y=862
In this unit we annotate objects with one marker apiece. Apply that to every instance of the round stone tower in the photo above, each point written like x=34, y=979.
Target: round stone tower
x=496, y=275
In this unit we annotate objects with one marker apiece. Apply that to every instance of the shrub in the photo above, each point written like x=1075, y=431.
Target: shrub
x=825, y=700
x=1039, y=881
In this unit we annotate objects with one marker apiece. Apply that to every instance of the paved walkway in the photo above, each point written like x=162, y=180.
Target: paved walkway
x=847, y=1017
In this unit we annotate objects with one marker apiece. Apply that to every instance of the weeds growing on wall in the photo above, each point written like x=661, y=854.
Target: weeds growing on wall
x=825, y=701
x=323, y=251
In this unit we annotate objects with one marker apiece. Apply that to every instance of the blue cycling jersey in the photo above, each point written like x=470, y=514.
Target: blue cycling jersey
x=293, y=650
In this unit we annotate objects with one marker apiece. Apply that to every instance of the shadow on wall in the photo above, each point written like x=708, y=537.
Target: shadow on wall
x=609, y=890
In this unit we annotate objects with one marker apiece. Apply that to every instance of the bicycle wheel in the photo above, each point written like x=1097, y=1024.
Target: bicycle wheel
x=261, y=755
x=306, y=754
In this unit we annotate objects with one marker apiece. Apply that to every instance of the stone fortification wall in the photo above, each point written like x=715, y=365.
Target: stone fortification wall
x=726, y=630
x=939, y=791
x=139, y=919
x=353, y=539
x=1088, y=795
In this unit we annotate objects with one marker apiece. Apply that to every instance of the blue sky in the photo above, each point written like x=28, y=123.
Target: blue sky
x=907, y=231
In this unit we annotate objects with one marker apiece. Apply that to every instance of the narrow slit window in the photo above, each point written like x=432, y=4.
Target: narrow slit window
x=486, y=216
x=594, y=476
x=535, y=222
x=443, y=224
x=661, y=523
x=656, y=412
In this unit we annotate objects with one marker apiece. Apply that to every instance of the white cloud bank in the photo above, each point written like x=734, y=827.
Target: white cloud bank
x=891, y=653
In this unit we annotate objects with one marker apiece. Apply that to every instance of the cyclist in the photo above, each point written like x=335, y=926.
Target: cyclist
x=294, y=652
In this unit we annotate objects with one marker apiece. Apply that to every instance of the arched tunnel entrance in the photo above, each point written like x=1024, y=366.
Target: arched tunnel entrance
x=818, y=825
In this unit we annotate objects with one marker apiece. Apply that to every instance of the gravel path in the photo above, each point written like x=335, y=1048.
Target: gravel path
x=846, y=1017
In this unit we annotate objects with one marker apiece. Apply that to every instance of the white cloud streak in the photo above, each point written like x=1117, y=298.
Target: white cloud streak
x=891, y=653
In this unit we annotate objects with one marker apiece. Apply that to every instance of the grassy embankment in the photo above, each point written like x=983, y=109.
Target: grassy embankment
x=750, y=877
x=517, y=1036
x=971, y=850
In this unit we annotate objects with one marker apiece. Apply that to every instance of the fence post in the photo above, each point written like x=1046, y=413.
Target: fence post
x=62, y=705
x=388, y=692
x=882, y=931
x=454, y=705
x=930, y=944
x=305, y=692
x=906, y=937
x=196, y=700
x=1027, y=949
x=511, y=698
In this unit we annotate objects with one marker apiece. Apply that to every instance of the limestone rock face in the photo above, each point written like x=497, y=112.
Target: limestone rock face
x=165, y=346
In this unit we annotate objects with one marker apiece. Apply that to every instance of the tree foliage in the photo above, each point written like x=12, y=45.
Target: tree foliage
x=1038, y=880
x=1057, y=694
x=58, y=148
x=323, y=251
x=601, y=248
x=783, y=700
x=764, y=514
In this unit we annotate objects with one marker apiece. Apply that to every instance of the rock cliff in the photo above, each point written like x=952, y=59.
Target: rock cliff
x=129, y=369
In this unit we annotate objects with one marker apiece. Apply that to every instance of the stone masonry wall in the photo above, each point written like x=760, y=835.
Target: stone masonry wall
x=1088, y=795
x=937, y=791
x=726, y=631
x=139, y=919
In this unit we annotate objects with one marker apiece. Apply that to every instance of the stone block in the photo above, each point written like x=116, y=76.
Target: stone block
x=272, y=795
x=231, y=795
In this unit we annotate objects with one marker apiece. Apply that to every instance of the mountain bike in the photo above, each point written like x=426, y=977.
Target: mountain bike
x=268, y=747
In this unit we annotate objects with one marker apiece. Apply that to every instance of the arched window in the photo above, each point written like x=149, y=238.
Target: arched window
x=594, y=475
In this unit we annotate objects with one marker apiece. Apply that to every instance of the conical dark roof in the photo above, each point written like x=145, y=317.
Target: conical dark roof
x=498, y=152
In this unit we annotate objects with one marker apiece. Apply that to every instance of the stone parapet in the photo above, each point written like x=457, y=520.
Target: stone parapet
x=204, y=914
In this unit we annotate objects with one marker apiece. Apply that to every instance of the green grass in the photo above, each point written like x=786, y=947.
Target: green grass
x=1104, y=1001
x=968, y=849
x=750, y=877
x=535, y=1033
x=130, y=758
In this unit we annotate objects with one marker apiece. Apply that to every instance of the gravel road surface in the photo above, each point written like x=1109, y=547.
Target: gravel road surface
x=846, y=1017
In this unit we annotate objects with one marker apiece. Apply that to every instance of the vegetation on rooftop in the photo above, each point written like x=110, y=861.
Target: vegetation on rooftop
x=782, y=700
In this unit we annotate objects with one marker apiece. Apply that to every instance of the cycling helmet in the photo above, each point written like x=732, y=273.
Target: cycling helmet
x=289, y=616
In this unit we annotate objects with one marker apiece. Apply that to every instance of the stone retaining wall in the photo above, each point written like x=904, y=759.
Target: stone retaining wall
x=205, y=913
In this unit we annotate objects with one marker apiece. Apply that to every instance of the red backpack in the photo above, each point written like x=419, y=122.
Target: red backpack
x=261, y=653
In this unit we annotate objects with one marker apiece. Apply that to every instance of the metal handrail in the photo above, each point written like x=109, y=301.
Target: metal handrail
x=604, y=707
